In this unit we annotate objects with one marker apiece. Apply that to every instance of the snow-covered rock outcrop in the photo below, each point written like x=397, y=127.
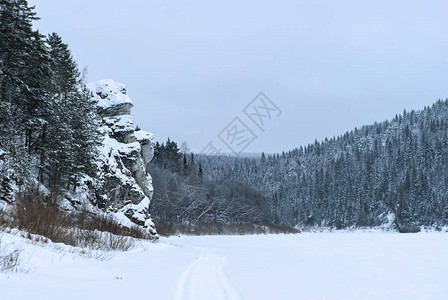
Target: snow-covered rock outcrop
x=126, y=188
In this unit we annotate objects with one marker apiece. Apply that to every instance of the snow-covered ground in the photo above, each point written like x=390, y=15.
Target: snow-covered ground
x=304, y=266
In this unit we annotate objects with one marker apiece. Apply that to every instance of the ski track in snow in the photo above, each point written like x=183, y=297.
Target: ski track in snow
x=205, y=278
x=338, y=265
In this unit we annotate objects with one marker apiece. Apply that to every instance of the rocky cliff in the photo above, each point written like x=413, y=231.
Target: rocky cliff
x=125, y=188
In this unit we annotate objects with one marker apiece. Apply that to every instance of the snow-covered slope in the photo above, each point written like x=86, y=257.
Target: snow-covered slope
x=304, y=266
x=126, y=188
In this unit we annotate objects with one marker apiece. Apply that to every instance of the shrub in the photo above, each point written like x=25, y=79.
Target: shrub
x=9, y=259
x=35, y=215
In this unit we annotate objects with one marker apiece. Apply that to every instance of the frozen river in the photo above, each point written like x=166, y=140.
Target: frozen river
x=303, y=266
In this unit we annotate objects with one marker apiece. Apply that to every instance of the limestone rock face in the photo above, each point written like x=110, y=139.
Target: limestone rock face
x=126, y=188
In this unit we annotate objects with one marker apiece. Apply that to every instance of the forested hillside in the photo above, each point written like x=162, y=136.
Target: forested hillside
x=361, y=178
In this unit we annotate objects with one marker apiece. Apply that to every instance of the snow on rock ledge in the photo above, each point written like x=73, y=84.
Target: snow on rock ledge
x=111, y=97
x=126, y=188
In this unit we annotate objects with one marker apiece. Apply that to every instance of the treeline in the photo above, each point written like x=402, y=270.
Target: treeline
x=183, y=196
x=48, y=122
x=357, y=179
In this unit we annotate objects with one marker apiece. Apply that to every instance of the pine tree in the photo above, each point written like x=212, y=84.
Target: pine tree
x=84, y=147
x=200, y=173
x=71, y=136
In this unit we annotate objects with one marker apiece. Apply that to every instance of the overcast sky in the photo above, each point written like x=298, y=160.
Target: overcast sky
x=192, y=66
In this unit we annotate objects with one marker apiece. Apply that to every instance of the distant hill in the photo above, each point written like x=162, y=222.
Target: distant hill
x=394, y=171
